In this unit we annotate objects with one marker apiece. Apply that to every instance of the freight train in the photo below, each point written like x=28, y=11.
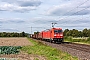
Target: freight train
x=53, y=35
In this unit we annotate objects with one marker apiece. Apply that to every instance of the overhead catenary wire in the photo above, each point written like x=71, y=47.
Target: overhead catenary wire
x=73, y=14
x=77, y=7
x=74, y=9
x=81, y=10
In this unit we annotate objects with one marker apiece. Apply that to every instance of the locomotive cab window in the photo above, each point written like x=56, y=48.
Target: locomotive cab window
x=57, y=31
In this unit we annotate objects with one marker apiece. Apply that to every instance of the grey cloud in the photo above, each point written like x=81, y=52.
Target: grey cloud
x=74, y=22
x=0, y=26
x=63, y=12
x=20, y=5
x=44, y=21
x=3, y=21
x=39, y=22
x=83, y=21
x=24, y=10
x=68, y=23
x=2, y=9
x=30, y=3
x=9, y=1
x=72, y=26
x=12, y=21
x=24, y=3
x=70, y=8
x=81, y=12
x=63, y=20
x=9, y=30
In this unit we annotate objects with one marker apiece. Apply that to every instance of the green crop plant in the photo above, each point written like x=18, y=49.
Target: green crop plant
x=9, y=49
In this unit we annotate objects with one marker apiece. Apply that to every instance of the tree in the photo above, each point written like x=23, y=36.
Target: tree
x=36, y=32
x=23, y=34
x=69, y=33
x=80, y=34
x=65, y=31
x=75, y=33
x=85, y=32
x=13, y=34
x=88, y=33
x=4, y=34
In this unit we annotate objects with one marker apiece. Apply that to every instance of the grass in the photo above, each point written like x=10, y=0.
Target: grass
x=81, y=41
x=50, y=53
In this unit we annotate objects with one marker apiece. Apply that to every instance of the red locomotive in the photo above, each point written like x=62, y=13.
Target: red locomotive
x=52, y=35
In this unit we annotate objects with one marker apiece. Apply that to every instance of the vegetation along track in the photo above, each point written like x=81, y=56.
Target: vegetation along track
x=81, y=51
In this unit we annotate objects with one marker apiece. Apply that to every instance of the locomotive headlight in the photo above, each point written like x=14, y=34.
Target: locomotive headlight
x=55, y=35
x=61, y=35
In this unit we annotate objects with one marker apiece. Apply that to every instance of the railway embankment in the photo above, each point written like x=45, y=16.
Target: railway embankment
x=42, y=48
x=82, y=51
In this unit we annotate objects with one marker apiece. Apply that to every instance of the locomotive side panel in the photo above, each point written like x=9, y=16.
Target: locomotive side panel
x=46, y=35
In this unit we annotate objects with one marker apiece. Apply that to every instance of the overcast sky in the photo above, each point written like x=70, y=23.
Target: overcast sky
x=21, y=15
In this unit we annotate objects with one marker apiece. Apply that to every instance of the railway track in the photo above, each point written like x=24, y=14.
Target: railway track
x=81, y=47
x=81, y=51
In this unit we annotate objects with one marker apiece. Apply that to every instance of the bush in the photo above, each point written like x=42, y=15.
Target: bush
x=88, y=40
x=65, y=37
x=68, y=38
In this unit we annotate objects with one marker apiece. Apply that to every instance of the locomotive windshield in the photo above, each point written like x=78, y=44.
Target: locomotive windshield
x=57, y=31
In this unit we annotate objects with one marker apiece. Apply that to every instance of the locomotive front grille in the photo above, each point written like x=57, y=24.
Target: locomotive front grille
x=58, y=39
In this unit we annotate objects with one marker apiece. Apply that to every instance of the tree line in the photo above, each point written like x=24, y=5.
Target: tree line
x=75, y=33
x=13, y=34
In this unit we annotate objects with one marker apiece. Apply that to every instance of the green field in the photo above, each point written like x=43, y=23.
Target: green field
x=83, y=40
x=50, y=53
